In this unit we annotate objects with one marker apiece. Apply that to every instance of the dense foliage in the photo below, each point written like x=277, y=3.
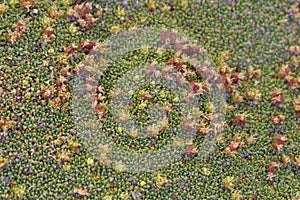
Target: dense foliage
x=255, y=46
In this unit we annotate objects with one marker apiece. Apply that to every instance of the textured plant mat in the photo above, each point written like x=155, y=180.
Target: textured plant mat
x=252, y=48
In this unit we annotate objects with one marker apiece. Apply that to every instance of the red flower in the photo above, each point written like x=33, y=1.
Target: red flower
x=81, y=13
x=234, y=145
x=292, y=81
x=19, y=26
x=87, y=47
x=284, y=71
x=297, y=106
x=191, y=150
x=100, y=109
x=279, y=141
x=239, y=119
x=70, y=49
x=175, y=61
x=27, y=4
x=47, y=34
x=168, y=36
x=277, y=119
x=236, y=77
x=179, y=45
x=272, y=165
x=277, y=97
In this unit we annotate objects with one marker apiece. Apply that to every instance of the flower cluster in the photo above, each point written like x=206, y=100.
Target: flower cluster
x=82, y=14
x=17, y=29
x=256, y=49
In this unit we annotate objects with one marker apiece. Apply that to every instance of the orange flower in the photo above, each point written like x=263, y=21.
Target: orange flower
x=294, y=49
x=80, y=192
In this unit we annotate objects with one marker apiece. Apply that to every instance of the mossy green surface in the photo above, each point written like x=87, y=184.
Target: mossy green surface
x=40, y=153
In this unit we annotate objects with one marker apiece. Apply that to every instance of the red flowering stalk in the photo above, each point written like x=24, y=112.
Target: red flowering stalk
x=179, y=45
x=204, y=71
x=197, y=88
x=91, y=85
x=46, y=92
x=61, y=81
x=229, y=89
x=191, y=50
x=272, y=165
x=65, y=71
x=224, y=70
x=176, y=62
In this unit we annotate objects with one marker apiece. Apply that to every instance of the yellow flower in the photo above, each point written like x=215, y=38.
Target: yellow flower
x=151, y=5
x=120, y=12
x=3, y=163
x=2, y=8
x=228, y=182
x=19, y=190
x=90, y=161
x=205, y=171
x=115, y=29
x=161, y=180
